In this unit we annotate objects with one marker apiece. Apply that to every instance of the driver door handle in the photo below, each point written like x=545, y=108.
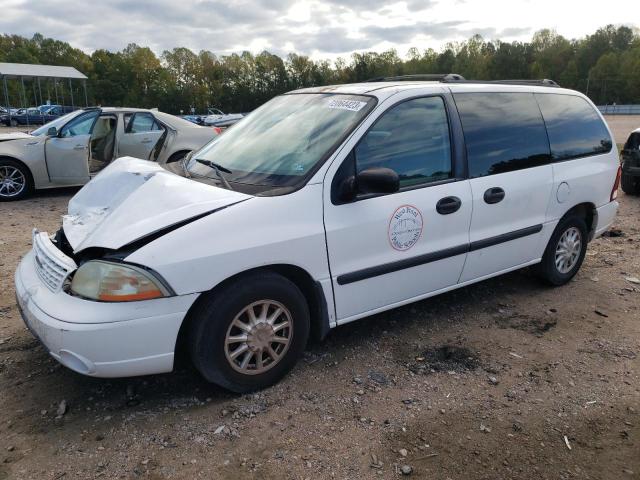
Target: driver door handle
x=448, y=205
x=494, y=195
x=146, y=140
x=80, y=147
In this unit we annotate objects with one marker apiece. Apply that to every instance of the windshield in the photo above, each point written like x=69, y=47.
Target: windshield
x=282, y=142
x=58, y=123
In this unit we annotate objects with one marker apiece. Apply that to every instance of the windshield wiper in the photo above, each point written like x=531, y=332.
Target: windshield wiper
x=217, y=168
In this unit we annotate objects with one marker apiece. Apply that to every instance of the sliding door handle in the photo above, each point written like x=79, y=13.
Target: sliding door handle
x=448, y=205
x=494, y=195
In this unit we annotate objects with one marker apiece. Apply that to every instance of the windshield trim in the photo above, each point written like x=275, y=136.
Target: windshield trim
x=303, y=180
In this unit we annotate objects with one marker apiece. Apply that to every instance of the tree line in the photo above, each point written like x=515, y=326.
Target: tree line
x=605, y=65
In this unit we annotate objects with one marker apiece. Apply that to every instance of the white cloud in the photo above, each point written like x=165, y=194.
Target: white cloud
x=321, y=28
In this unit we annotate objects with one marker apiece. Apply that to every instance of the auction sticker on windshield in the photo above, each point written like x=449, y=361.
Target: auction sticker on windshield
x=405, y=227
x=352, y=105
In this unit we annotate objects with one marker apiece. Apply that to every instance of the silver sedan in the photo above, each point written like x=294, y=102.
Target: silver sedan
x=73, y=148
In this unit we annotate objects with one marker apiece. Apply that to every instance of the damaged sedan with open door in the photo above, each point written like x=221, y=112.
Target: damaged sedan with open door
x=72, y=149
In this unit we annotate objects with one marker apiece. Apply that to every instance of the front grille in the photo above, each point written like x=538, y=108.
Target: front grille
x=52, y=265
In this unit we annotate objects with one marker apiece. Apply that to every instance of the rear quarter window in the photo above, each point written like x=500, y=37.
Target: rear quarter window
x=574, y=127
x=503, y=132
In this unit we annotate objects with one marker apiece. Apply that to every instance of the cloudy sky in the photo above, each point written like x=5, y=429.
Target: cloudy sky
x=320, y=28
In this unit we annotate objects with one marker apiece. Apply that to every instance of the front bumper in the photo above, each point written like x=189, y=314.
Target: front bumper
x=98, y=338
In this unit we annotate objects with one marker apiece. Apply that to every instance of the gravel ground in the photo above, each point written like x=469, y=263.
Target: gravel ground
x=503, y=379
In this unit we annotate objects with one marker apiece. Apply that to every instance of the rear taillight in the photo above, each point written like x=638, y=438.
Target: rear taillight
x=616, y=184
x=218, y=130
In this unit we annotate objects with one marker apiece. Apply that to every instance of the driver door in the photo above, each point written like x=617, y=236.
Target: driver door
x=67, y=154
x=141, y=133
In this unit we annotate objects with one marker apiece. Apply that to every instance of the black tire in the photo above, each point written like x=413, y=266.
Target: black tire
x=13, y=122
x=630, y=184
x=28, y=181
x=547, y=269
x=212, y=318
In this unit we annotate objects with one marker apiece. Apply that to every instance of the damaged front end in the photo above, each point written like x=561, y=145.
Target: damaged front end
x=128, y=205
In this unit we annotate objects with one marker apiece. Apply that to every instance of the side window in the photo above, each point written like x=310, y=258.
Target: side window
x=80, y=125
x=503, y=132
x=412, y=139
x=575, y=129
x=142, y=122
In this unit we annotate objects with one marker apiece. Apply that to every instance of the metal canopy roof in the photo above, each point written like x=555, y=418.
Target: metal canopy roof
x=43, y=71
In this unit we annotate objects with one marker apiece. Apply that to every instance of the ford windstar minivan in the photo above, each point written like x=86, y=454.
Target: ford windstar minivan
x=323, y=206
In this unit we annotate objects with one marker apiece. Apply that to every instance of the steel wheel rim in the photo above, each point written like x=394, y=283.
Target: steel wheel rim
x=12, y=181
x=258, y=337
x=568, y=250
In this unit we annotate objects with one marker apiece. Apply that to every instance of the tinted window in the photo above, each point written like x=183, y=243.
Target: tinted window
x=503, y=132
x=142, y=122
x=412, y=139
x=80, y=125
x=633, y=142
x=574, y=127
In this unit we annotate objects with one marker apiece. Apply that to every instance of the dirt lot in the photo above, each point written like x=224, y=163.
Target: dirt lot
x=504, y=379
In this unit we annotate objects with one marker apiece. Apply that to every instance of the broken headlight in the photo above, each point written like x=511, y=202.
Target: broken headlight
x=116, y=282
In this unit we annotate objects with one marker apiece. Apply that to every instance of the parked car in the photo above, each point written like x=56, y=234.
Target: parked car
x=217, y=116
x=73, y=148
x=197, y=119
x=630, y=156
x=322, y=207
x=27, y=116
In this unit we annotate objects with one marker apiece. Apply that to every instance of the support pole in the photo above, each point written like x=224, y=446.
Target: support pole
x=71, y=92
x=24, y=101
x=6, y=97
x=86, y=99
x=55, y=87
x=62, y=92
x=40, y=90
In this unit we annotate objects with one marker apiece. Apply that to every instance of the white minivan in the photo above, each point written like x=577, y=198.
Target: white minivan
x=323, y=206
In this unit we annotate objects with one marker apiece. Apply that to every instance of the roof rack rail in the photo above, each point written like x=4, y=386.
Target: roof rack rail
x=544, y=81
x=456, y=78
x=429, y=77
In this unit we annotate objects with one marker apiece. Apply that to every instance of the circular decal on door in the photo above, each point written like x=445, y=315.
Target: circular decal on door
x=405, y=227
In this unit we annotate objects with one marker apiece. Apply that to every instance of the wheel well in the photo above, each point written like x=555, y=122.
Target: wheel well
x=176, y=154
x=21, y=163
x=589, y=213
x=311, y=290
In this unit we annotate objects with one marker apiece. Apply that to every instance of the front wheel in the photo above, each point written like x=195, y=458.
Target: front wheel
x=15, y=181
x=565, y=251
x=250, y=333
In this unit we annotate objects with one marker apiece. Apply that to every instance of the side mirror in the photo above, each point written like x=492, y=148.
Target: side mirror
x=378, y=180
x=52, y=132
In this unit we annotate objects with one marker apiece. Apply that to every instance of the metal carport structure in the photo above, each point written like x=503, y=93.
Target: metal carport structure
x=24, y=71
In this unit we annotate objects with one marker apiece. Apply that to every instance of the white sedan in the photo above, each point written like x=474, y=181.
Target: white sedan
x=74, y=148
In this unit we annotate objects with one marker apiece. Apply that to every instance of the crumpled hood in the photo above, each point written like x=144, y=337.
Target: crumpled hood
x=4, y=137
x=133, y=198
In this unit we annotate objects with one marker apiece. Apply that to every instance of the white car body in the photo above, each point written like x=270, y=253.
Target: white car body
x=348, y=251
x=57, y=161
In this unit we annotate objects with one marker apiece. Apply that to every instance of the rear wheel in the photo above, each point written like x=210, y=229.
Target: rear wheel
x=630, y=184
x=14, y=122
x=250, y=333
x=15, y=180
x=565, y=251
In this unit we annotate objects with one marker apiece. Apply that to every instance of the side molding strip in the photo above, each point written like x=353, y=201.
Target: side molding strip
x=378, y=270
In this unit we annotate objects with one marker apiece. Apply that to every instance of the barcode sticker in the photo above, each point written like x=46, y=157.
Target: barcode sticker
x=351, y=105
